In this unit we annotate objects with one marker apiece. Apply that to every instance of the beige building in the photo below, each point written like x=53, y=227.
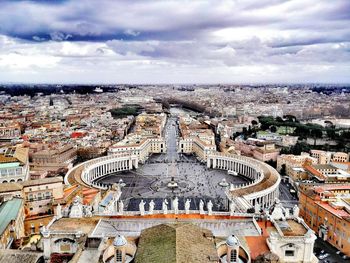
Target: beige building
x=40, y=194
x=197, y=146
x=340, y=157
x=54, y=157
x=10, y=190
x=14, y=165
x=266, y=152
x=9, y=132
x=293, y=165
x=326, y=157
x=139, y=146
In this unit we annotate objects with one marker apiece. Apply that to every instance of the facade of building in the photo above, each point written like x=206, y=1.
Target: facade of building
x=326, y=210
x=10, y=132
x=293, y=165
x=265, y=153
x=14, y=165
x=196, y=146
x=40, y=195
x=11, y=222
x=139, y=146
x=54, y=158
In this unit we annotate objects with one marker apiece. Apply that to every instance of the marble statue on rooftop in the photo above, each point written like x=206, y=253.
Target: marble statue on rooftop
x=257, y=207
x=176, y=205
x=232, y=208
x=121, y=207
x=142, y=207
x=87, y=211
x=165, y=206
x=210, y=207
x=151, y=207
x=201, y=207
x=278, y=212
x=296, y=211
x=59, y=211
x=187, y=206
x=76, y=210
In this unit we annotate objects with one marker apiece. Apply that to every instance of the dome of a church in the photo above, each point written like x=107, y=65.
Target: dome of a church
x=119, y=241
x=232, y=241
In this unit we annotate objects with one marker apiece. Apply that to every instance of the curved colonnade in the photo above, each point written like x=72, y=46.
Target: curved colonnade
x=261, y=191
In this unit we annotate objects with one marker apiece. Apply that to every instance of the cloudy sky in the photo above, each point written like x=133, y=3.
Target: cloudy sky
x=183, y=41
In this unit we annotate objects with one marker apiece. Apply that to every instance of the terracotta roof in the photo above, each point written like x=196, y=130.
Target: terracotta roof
x=314, y=172
x=336, y=212
x=257, y=246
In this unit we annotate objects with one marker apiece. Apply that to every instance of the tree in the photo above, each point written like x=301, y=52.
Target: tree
x=273, y=129
x=283, y=169
x=254, y=122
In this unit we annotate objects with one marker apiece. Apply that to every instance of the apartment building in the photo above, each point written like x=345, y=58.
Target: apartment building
x=326, y=209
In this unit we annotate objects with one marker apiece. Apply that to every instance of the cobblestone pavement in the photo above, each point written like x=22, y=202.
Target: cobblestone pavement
x=195, y=181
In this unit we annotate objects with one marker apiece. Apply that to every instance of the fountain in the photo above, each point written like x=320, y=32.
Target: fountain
x=224, y=183
x=172, y=184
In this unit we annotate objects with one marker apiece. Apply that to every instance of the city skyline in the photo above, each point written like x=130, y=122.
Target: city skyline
x=174, y=42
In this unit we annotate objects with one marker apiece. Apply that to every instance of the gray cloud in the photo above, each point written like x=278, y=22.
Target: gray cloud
x=230, y=38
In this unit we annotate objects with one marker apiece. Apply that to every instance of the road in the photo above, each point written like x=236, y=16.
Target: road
x=333, y=257
x=287, y=199
x=171, y=135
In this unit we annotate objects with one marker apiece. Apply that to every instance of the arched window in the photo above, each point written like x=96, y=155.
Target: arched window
x=233, y=256
x=118, y=256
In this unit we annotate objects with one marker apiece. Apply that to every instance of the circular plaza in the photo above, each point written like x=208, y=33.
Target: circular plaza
x=193, y=180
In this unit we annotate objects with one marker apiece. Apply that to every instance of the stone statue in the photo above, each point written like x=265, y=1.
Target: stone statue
x=210, y=207
x=187, y=206
x=296, y=211
x=257, y=207
x=287, y=213
x=278, y=211
x=232, y=208
x=176, y=205
x=142, y=207
x=88, y=211
x=151, y=207
x=121, y=207
x=165, y=206
x=201, y=207
x=76, y=210
x=59, y=211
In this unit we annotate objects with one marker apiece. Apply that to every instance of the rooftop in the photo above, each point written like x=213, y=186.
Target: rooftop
x=84, y=225
x=10, y=187
x=19, y=256
x=8, y=212
x=174, y=243
x=48, y=180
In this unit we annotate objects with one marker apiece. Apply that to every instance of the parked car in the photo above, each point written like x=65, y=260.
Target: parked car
x=323, y=256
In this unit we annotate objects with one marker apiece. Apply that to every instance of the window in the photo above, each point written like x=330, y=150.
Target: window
x=233, y=256
x=118, y=256
x=289, y=253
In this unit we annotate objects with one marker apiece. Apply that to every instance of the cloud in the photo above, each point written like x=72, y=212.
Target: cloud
x=227, y=40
